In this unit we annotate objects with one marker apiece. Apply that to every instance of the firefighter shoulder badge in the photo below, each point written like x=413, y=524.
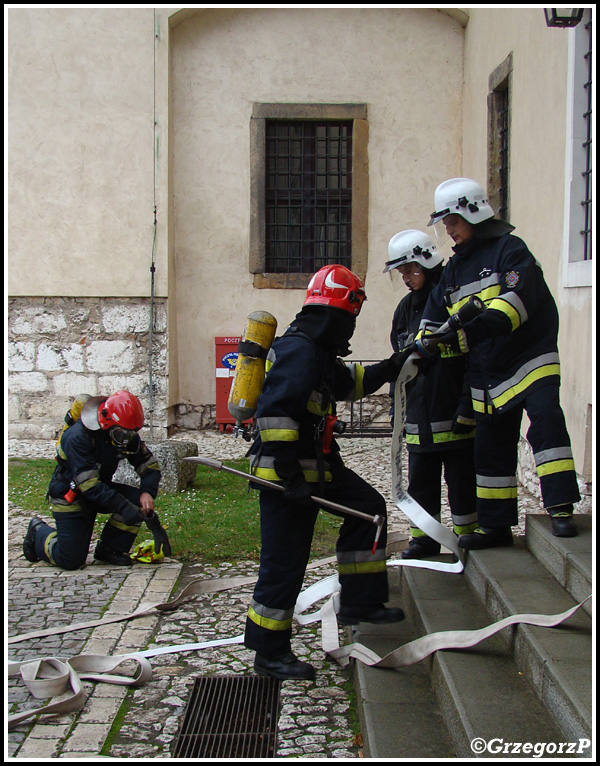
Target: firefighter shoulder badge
x=512, y=278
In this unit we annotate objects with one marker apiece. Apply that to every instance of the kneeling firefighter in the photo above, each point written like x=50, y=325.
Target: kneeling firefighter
x=88, y=452
x=296, y=446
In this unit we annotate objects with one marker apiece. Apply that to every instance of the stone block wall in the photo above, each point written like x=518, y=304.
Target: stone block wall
x=60, y=347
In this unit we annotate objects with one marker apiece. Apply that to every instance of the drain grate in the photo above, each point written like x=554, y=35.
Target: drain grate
x=230, y=717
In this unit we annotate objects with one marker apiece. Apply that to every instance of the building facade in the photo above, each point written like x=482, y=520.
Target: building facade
x=171, y=171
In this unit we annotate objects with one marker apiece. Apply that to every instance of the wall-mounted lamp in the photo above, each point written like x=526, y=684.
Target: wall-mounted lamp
x=563, y=17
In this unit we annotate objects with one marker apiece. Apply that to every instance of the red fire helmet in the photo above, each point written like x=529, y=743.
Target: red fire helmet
x=337, y=287
x=120, y=409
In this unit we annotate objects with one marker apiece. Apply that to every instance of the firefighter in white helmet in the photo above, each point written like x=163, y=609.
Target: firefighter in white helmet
x=513, y=362
x=296, y=446
x=440, y=424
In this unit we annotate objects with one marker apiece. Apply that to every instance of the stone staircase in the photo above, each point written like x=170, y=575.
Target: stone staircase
x=523, y=685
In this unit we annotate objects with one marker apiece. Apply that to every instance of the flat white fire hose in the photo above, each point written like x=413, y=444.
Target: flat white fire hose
x=50, y=677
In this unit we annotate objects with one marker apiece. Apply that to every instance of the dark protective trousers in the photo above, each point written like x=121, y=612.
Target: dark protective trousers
x=286, y=536
x=496, y=457
x=68, y=545
x=425, y=485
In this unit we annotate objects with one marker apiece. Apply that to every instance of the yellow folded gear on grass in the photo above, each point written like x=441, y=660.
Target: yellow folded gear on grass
x=146, y=554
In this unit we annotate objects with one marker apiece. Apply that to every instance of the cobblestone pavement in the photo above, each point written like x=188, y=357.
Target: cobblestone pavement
x=316, y=719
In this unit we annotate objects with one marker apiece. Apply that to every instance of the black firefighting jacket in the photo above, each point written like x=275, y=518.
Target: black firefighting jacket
x=304, y=380
x=513, y=345
x=88, y=460
x=439, y=414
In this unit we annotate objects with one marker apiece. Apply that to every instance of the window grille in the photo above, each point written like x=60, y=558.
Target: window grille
x=498, y=177
x=587, y=147
x=308, y=195
x=502, y=107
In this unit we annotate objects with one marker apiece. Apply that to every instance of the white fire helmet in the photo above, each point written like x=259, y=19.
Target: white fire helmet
x=464, y=197
x=410, y=246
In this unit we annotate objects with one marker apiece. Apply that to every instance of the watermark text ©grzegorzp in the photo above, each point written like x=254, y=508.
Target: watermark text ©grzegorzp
x=536, y=749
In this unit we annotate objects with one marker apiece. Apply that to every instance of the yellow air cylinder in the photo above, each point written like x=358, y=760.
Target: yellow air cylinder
x=250, y=366
x=74, y=414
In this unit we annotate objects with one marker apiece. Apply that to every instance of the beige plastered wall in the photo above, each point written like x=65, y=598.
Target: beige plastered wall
x=538, y=144
x=222, y=62
x=84, y=152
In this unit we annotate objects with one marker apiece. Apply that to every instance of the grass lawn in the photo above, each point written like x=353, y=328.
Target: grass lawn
x=214, y=519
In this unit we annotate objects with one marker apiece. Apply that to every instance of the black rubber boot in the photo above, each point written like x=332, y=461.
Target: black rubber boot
x=29, y=539
x=563, y=525
x=377, y=614
x=284, y=666
x=110, y=556
x=483, y=538
x=421, y=548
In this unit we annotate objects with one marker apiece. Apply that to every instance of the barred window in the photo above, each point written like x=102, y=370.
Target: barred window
x=579, y=180
x=498, y=138
x=309, y=191
x=587, y=143
x=308, y=195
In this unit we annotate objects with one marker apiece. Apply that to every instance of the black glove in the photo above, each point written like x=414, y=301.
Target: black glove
x=297, y=490
x=295, y=487
x=159, y=533
x=391, y=367
x=131, y=514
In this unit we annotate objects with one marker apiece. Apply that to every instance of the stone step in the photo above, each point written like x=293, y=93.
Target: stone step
x=569, y=560
x=398, y=710
x=557, y=662
x=525, y=684
x=483, y=695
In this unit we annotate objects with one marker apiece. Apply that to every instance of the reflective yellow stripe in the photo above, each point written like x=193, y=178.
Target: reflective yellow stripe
x=450, y=436
x=465, y=529
x=49, y=544
x=487, y=294
x=506, y=308
x=359, y=389
x=312, y=477
x=412, y=439
x=63, y=507
x=416, y=532
x=279, y=435
x=268, y=622
x=151, y=465
x=497, y=493
x=123, y=527
x=362, y=567
x=84, y=486
x=544, y=371
x=447, y=352
x=555, y=466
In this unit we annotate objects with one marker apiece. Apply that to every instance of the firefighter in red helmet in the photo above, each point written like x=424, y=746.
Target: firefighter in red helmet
x=296, y=446
x=88, y=453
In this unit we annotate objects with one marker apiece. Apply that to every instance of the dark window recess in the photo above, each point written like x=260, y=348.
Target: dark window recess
x=308, y=195
x=502, y=107
x=498, y=138
x=587, y=146
x=230, y=717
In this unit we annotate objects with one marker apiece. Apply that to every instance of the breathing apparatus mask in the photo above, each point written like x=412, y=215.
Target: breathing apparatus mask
x=126, y=441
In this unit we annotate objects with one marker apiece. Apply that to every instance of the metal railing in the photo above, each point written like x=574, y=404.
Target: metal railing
x=368, y=417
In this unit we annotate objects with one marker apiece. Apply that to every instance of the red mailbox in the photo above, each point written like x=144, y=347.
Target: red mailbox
x=226, y=354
